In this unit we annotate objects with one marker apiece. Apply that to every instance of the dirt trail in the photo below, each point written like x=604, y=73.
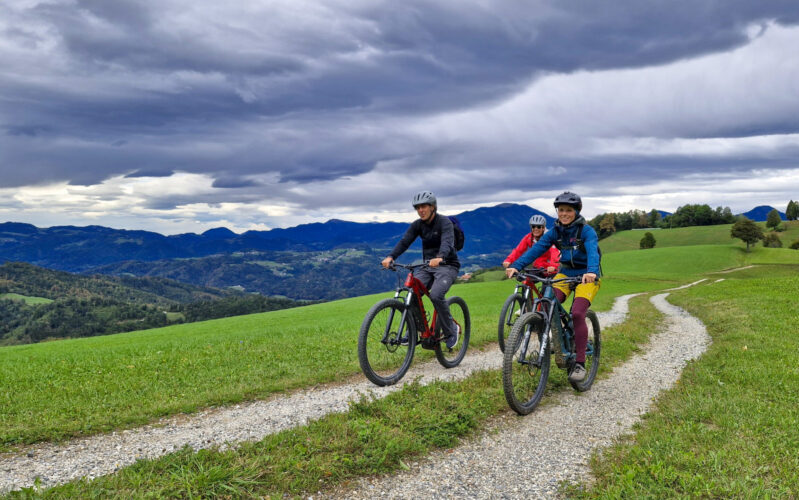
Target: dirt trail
x=103, y=454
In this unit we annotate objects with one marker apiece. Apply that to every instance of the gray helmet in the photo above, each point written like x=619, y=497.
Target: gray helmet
x=569, y=198
x=538, y=220
x=423, y=197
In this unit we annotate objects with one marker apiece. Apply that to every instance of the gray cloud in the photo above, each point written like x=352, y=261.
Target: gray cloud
x=300, y=105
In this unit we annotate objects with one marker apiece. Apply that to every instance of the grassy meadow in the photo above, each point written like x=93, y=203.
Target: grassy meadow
x=730, y=428
x=118, y=381
x=25, y=298
x=690, y=236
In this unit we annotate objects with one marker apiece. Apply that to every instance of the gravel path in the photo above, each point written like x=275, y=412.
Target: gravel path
x=99, y=455
x=531, y=455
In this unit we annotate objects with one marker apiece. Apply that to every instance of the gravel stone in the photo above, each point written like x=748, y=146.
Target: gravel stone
x=480, y=469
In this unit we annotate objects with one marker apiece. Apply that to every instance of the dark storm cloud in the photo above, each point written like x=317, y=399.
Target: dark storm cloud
x=141, y=88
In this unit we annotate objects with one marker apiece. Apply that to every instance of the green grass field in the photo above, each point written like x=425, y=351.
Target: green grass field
x=689, y=236
x=730, y=429
x=29, y=300
x=103, y=383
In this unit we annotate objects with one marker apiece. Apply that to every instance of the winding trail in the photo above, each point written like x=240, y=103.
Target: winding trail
x=98, y=455
x=531, y=455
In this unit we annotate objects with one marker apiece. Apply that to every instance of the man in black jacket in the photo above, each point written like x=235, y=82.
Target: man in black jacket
x=438, y=250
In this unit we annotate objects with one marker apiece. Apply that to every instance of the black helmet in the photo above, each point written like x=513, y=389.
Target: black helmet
x=569, y=198
x=423, y=197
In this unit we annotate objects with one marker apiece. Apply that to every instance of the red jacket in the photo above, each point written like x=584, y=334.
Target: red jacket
x=551, y=258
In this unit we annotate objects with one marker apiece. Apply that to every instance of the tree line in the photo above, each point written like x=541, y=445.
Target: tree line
x=607, y=224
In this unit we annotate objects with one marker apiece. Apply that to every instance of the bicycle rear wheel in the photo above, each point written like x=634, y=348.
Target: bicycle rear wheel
x=511, y=310
x=450, y=358
x=385, y=346
x=525, y=368
x=592, y=352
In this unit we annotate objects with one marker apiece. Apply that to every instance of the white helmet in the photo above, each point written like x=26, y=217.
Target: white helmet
x=538, y=220
x=423, y=197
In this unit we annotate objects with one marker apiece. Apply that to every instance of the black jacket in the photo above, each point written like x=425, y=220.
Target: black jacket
x=438, y=240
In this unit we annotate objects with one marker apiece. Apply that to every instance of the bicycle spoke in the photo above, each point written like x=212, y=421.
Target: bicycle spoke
x=525, y=365
x=386, y=343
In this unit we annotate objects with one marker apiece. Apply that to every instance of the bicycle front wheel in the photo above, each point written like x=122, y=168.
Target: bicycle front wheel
x=525, y=366
x=511, y=310
x=386, y=342
x=450, y=358
x=592, y=351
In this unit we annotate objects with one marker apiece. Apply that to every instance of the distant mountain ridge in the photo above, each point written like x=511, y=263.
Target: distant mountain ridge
x=79, y=249
x=491, y=232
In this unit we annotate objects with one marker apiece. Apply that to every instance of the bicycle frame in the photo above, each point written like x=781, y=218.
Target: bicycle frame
x=524, y=288
x=549, y=309
x=411, y=294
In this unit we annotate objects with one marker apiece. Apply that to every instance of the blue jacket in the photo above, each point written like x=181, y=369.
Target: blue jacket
x=573, y=259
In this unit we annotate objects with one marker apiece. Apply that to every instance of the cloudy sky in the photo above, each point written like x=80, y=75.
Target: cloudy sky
x=182, y=115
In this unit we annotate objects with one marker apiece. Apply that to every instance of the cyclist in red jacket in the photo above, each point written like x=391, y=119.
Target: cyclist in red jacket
x=550, y=260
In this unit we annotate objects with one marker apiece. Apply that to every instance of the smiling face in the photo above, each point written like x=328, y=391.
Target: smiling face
x=425, y=211
x=537, y=231
x=566, y=214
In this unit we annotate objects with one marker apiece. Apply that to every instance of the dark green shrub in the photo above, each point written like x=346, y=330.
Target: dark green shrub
x=772, y=241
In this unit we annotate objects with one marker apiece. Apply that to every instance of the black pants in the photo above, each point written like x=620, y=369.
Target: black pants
x=438, y=280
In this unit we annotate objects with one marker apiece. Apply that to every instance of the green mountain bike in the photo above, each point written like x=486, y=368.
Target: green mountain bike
x=538, y=334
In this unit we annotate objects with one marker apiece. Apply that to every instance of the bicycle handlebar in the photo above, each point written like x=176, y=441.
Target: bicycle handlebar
x=538, y=277
x=411, y=267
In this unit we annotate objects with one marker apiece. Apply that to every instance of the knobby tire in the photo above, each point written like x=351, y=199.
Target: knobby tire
x=385, y=363
x=524, y=384
x=508, y=316
x=450, y=358
x=592, y=354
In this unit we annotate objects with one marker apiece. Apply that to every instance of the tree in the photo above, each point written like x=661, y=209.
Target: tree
x=746, y=230
x=771, y=240
x=773, y=219
x=648, y=241
x=654, y=218
x=608, y=226
x=792, y=212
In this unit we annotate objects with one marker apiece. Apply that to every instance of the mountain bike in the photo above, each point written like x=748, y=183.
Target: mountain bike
x=394, y=327
x=536, y=335
x=517, y=304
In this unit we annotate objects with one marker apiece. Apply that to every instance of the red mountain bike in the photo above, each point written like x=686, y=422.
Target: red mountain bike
x=393, y=327
x=519, y=303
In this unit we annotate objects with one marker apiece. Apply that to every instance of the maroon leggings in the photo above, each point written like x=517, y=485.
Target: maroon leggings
x=579, y=308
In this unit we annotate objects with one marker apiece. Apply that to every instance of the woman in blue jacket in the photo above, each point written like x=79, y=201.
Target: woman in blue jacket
x=577, y=242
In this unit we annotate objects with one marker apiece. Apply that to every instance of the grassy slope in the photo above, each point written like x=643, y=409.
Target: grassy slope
x=373, y=437
x=27, y=299
x=116, y=381
x=730, y=429
x=685, y=236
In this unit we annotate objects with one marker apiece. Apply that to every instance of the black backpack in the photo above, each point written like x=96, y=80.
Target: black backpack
x=578, y=242
x=458, y=229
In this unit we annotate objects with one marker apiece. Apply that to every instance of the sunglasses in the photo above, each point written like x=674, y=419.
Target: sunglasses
x=537, y=227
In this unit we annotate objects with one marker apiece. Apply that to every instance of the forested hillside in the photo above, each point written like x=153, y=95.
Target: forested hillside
x=38, y=304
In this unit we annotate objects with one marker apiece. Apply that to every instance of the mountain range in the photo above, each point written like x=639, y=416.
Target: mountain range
x=80, y=249
x=329, y=260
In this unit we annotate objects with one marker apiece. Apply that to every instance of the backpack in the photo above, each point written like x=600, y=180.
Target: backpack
x=578, y=242
x=458, y=229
